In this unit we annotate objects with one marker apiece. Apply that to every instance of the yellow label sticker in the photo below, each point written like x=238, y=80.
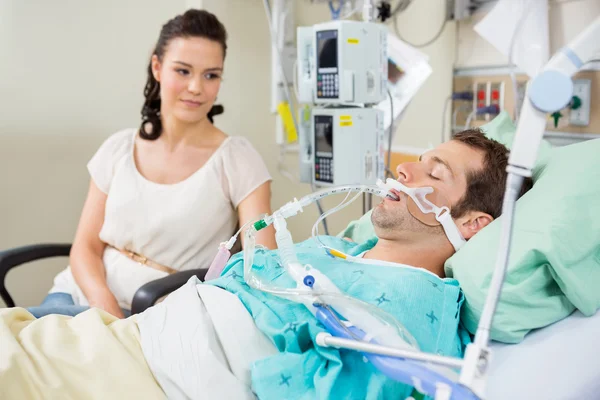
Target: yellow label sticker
x=352, y=41
x=346, y=117
x=345, y=123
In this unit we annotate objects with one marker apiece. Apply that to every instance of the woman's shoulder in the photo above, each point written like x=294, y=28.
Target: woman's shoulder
x=231, y=140
x=239, y=151
x=109, y=156
x=239, y=146
x=243, y=167
x=122, y=138
x=116, y=146
x=118, y=143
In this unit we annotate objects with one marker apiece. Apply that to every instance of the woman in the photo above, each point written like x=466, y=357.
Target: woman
x=163, y=196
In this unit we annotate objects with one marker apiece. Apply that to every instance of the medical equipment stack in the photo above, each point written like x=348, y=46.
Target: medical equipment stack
x=342, y=74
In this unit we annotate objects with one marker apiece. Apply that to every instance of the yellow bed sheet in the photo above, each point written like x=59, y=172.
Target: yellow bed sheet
x=91, y=356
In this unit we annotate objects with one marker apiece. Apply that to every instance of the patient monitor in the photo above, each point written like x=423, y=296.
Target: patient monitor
x=342, y=62
x=344, y=146
x=342, y=72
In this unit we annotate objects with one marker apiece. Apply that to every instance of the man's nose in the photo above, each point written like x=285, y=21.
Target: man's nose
x=409, y=172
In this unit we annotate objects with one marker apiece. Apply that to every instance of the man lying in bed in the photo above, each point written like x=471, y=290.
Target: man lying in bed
x=206, y=342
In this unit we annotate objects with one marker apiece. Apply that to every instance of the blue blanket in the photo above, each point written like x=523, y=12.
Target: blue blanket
x=429, y=307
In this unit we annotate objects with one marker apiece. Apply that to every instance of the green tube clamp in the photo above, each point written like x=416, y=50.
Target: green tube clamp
x=260, y=225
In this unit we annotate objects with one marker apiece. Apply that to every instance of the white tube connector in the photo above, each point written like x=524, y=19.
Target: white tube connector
x=321, y=339
x=290, y=209
x=368, y=11
x=229, y=244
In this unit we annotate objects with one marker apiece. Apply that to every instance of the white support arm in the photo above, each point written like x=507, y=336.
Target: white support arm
x=550, y=91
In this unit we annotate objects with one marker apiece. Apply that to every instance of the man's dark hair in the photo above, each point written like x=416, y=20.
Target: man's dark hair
x=485, y=187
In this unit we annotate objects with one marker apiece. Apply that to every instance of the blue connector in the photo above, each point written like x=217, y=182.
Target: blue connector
x=493, y=109
x=462, y=96
x=309, y=281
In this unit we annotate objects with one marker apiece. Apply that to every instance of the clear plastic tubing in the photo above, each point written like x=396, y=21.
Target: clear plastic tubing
x=310, y=198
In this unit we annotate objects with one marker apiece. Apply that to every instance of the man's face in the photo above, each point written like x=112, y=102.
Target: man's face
x=445, y=169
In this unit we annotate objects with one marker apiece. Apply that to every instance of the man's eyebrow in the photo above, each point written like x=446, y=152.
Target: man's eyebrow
x=444, y=163
x=438, y=160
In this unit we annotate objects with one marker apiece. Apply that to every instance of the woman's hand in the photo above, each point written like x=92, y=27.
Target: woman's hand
x=106, y=301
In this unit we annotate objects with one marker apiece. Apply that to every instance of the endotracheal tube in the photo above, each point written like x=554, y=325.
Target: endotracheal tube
x=313, y=288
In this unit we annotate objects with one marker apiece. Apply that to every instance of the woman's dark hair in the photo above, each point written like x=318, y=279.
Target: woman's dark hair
x=193, y=23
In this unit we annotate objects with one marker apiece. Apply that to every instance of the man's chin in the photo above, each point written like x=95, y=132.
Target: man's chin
x=382, y=218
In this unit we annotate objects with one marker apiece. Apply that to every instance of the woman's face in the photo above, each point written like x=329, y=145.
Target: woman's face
x=190, y=77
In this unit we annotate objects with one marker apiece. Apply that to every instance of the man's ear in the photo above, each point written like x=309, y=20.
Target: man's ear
x=472, y=222
x=155, y=63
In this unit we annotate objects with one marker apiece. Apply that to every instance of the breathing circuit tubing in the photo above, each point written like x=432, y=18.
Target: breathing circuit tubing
x=313, y=288
x=292, y=208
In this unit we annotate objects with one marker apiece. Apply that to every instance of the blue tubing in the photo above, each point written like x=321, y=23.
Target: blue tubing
x=396, y=368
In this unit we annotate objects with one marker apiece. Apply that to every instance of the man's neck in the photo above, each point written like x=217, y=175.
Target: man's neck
x=429, y=255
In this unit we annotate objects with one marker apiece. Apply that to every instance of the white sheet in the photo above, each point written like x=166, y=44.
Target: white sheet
x=559, y=362
x=217, y=340
x=202, y=345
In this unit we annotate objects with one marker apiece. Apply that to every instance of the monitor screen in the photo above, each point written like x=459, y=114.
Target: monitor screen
x=324, y=134
x=327, y=54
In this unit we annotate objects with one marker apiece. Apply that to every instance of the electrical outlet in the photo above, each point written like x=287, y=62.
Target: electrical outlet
x=580, y=116
x=497, y=95
x=480, y=99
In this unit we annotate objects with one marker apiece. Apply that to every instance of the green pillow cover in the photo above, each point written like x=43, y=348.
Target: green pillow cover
x=554, y=265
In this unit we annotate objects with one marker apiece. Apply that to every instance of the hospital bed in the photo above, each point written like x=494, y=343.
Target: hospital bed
x=146, y=296
x=558, y=362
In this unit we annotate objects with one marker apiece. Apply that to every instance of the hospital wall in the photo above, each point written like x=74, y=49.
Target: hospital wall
x=478, y=62
x=566, y=19
x=420, y=128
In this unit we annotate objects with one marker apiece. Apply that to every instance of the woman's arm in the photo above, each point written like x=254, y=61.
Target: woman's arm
x=256, y=203
x=87, y=251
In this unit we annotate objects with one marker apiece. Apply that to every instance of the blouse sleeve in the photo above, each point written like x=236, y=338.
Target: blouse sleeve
x=102, y=165
x=245, y=170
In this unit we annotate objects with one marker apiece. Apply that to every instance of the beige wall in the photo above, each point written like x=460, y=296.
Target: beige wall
x=73, y=72
x=421, y=125
x=567, y=18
